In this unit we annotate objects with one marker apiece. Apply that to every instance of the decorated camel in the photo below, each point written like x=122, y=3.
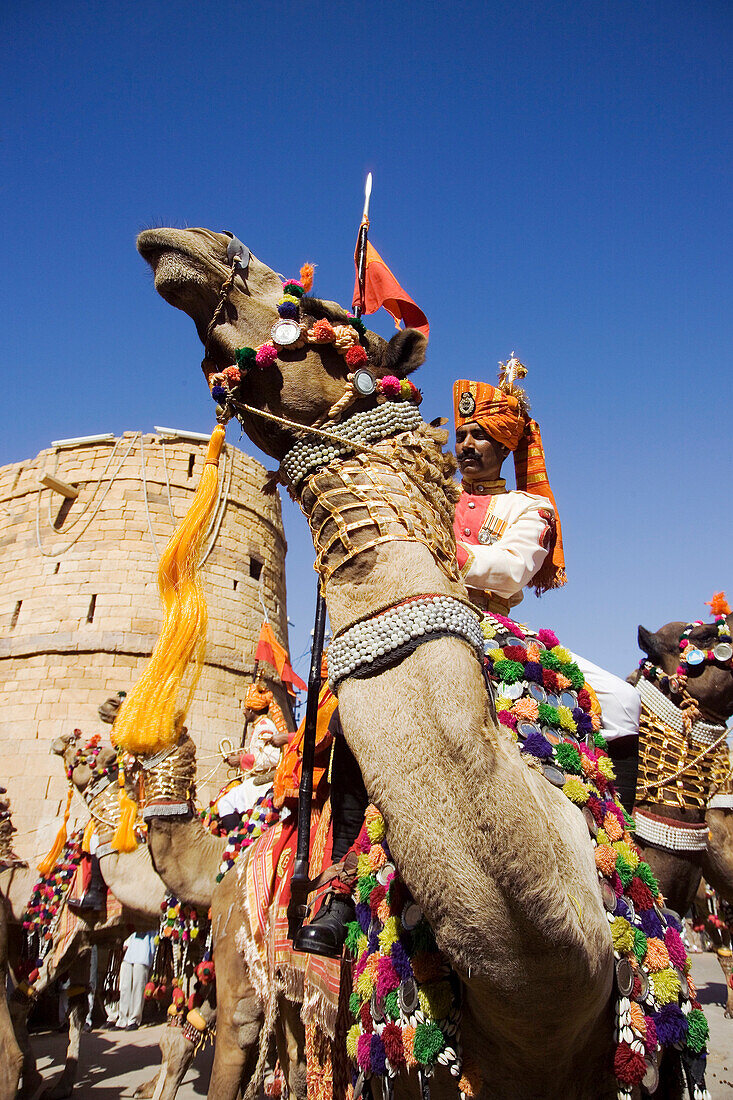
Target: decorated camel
x=684, y=820
x=497, y=858
x=11, y=1057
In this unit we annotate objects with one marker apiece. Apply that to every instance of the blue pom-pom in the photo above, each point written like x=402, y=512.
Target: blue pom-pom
x=671, y=1025
x=533, y=672
x=537, y=745
x=219, y=393
x=651, y=924
x=400, y=961
x=364, y=916
x=288, y=309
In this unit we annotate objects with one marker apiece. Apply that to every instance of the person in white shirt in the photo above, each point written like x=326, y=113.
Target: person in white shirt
x=134, y=970
x=510, y=539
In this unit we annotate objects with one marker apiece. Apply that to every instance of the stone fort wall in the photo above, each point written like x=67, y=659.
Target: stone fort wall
x=79, y=607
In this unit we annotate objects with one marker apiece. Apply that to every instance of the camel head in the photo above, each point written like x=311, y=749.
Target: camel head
x=192, y=265
x=83, y=762
x=710, y=683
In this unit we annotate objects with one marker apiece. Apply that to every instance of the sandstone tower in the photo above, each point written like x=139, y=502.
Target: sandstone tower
x=79, y=609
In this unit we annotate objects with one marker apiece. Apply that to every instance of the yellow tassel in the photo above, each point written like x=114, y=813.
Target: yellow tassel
x=150, y=718
x=307, y=272
x=88, y=834
x=47, y=865
x=124, y=839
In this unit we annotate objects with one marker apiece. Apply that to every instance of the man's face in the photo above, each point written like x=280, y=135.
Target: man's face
x=480, y=457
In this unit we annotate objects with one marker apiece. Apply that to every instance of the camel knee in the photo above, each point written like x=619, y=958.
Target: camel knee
x=247, y=1020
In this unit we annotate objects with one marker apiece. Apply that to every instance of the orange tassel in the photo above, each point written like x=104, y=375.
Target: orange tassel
x=152, y=714
x=47, y=865
x=718, y=605
x=307, y=272
x=88, y=834
x=124, y=839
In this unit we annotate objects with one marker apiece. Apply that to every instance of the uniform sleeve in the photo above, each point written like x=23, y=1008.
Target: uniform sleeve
x=510, y=563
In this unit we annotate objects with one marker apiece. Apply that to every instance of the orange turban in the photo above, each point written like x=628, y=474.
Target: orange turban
x=257, y=698
x=501, y=415
x=498, y=413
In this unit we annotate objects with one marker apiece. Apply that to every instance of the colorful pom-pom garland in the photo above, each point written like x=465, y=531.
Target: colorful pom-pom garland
x=346, y=339
x=544, y=702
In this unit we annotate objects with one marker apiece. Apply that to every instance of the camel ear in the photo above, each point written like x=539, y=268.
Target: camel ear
x=404, y=353
x=650, y=644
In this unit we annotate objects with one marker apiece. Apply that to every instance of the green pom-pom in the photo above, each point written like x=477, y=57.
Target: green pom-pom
x=628, y=820
x=508, y=671
x=599, y=741
x=392, y=1005
x=294, y=289
x=645, y=873
x=568, y=757
x=549, y=660
x=365, y=886
x=353, y=932
x=624, y=870
x=245, y=357
x=698, y=1031
x=639, y=944
x=354, y=1004
x=575, y=676
x=358, y=324
x=429, y=1041
x=548, y=715
x=423, y=938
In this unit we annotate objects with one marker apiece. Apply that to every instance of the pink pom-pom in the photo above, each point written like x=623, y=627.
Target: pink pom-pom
x=391, y=386
x=507, y=719
x=356, y=355
x=548, y=637
x=266, y=355
x=364, y=1052
x=675, y=947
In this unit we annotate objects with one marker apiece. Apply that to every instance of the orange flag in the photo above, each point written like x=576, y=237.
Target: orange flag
x=382, y=289
x=270, y=650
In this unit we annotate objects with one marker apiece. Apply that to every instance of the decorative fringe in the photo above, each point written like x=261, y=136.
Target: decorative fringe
x=150, y=719
x=307, y=272
x=124, y=839
x=47, y=865
x=88, y=834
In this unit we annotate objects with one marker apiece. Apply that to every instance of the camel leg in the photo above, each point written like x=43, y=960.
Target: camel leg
x=239, y=1012
x=290, y=1036
x=78, y=1006
x=31, y=1078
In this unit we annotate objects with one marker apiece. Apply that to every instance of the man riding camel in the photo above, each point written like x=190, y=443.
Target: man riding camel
x=506, y=540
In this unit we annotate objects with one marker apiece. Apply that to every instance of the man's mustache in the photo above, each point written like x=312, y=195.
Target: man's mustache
x=469, y=456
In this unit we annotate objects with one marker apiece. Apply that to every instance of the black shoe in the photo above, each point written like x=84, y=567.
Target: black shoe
x=92, y=902
x=326, y=933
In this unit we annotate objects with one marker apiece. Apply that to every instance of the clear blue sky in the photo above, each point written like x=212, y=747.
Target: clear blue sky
x=551, y=177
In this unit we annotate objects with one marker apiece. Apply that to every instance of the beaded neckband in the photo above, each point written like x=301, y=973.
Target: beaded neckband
x=289, y=333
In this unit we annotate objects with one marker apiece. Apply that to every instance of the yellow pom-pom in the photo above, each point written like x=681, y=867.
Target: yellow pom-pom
x=436, y=999
x=389, y=934
x=364, y=985
x=502, y=703
x=602, y=837
x=605, y=767
x=622, y=935
x=362, y=865
x=374, y=824
x=630, y=854
x=496, y=654
x=666, y=986
x=574, y=789
x=487, y=629
x=562, y=654
x=566, y=719
x=361, y=945
x=352, y=1038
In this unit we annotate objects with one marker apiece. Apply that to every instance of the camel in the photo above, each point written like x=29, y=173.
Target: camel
x=712, y=688
x=132, y=880
x=11, y=1056
x=498, y=860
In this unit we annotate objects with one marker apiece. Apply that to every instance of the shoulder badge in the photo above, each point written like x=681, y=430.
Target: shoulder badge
x=467, y=403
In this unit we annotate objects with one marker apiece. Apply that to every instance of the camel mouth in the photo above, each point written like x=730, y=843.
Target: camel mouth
x=181, y=277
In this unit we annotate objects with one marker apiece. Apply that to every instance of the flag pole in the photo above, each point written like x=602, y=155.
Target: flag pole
x=300, y=880
x=361, y=246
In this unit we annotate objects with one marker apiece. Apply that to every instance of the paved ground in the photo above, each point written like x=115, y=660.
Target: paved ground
x=114, y=1063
